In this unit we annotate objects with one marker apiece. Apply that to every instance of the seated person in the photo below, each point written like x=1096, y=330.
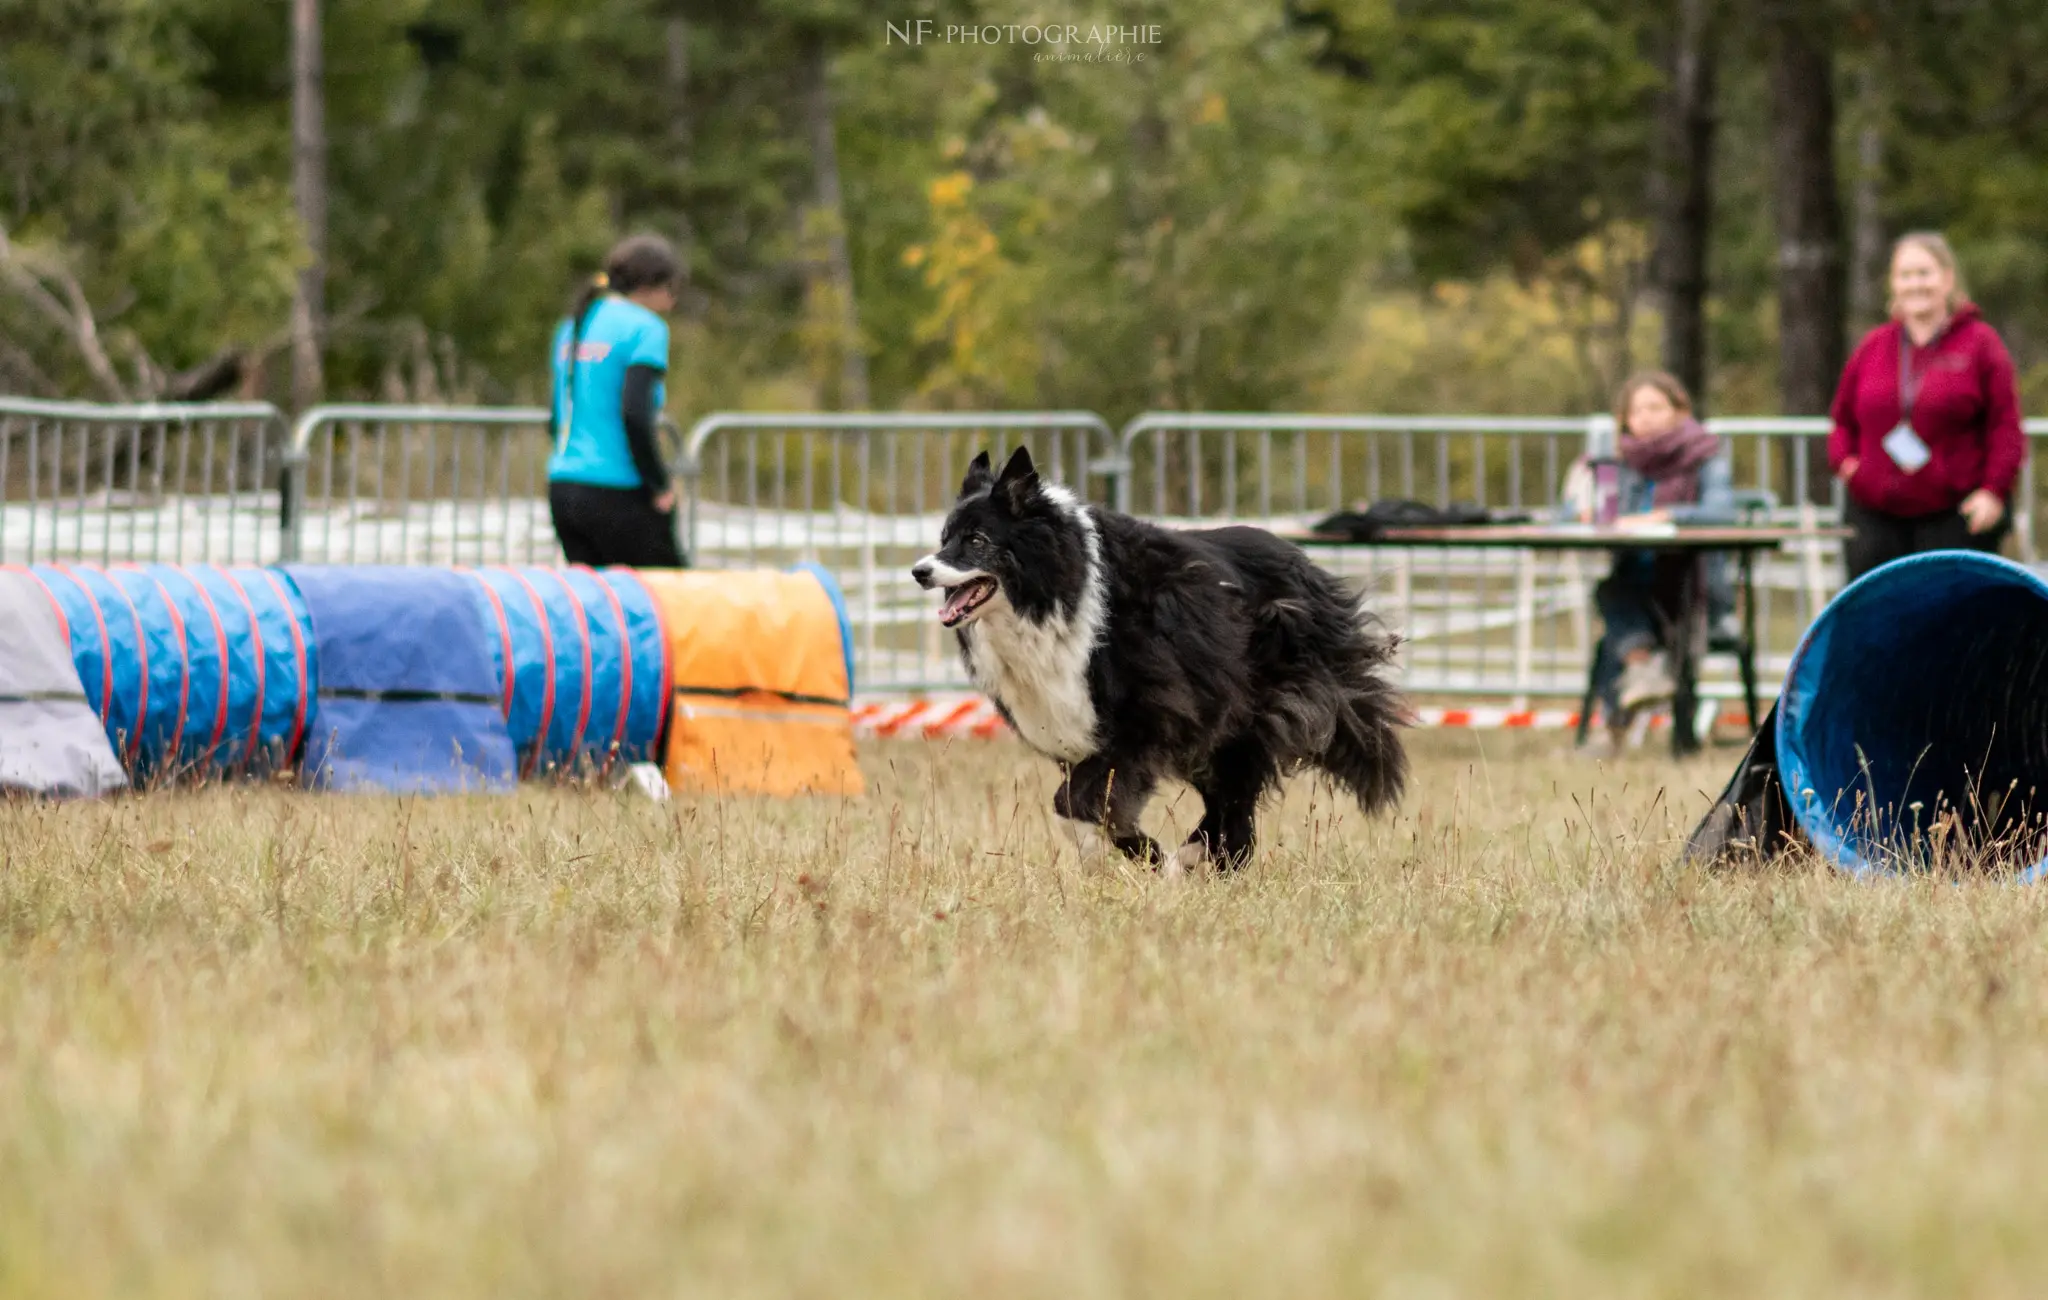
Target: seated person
x=1672, y=470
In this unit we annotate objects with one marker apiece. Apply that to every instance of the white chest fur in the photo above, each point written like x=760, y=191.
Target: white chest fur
x=1039, y=673
x=1039, y=670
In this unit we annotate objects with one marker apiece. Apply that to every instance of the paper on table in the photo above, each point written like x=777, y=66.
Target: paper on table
x=1660, y=528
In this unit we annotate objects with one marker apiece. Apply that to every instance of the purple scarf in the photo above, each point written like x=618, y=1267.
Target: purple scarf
x=1672, y=461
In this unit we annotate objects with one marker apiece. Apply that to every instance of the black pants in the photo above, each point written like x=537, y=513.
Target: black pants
x=1881, y=538
x=601, y=526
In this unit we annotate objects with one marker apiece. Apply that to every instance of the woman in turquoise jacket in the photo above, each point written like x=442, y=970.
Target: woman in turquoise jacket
x=608, y=490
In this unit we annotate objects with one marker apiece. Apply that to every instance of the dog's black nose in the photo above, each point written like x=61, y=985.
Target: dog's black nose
x=922, y=571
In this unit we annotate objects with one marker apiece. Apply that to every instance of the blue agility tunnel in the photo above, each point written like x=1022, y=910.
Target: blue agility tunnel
x=409, y=697
x=191, y=670
x=1916, y=711
x=631, y=650
x=272, y=677
x=582, y=664
x=107, y=645
x=424, y=679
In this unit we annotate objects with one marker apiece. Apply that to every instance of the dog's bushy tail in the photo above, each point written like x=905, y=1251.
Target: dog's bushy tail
x=1365, y=754
x=1323, y=660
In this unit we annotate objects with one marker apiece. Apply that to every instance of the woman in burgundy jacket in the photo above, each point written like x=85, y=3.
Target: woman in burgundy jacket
x=1927, y=420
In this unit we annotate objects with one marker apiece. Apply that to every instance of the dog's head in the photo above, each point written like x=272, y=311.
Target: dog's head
x=1005, y=543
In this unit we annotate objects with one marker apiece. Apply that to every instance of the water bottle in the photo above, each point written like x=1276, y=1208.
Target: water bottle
x=1606, y=491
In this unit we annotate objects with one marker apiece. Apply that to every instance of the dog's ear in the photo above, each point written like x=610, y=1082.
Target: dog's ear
x=978, y=476
x=1017, y=482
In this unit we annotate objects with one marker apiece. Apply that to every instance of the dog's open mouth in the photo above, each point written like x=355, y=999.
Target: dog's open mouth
x=965, y=599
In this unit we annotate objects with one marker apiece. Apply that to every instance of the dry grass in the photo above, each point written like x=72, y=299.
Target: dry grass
x=253, y=1043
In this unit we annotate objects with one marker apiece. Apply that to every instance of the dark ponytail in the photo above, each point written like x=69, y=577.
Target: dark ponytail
x=635, y=262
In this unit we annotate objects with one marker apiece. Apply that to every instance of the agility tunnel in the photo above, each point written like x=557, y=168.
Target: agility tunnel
x=409, y=697
x=426, y=679
x=51, y=737
x=583, y=663
x=190, y=669
x=1913, y=724
x=762, y=671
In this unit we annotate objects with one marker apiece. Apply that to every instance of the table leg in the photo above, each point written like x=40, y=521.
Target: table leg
x=1586, y=702
x=1685, y=666
x=1747, y=564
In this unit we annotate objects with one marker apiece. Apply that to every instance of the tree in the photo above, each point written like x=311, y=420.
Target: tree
x=1965, y=115
x=144, y=243
x=1866, y=223
x=1812, y=307
x=1288, y=201
x=309, y=193
x=834, y=302
x=1682, y=190
x=1507, y=129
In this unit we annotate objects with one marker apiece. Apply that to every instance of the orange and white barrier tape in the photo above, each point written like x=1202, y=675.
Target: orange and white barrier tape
x=959, y=715
x=971, y=715
x=1490, y=719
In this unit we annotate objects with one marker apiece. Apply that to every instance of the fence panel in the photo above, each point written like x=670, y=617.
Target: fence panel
x=864, y=495
x=419, y=485
x=1202, y=465
x=83, y=482
x=1474, y=623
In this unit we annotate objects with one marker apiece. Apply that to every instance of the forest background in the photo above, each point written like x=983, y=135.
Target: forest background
x=1491, y=206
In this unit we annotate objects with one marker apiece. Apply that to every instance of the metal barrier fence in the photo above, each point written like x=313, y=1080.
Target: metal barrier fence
x=418, y=485
x=864, y=495
x=1471, y=622
x=1514, y=624
x=85, y=482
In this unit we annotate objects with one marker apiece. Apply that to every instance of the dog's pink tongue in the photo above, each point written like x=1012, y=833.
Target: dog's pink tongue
x=957, y=602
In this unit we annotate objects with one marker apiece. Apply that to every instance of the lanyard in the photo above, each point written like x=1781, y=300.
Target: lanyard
x=1909, y=382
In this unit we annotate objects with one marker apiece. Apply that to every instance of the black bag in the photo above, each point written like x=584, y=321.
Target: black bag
x=1394, y=512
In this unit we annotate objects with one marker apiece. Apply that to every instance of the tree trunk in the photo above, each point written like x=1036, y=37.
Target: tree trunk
x=309, y=192
x=1866, y=222
x=837, y=264
x=1682, y=193
x=1811, y=305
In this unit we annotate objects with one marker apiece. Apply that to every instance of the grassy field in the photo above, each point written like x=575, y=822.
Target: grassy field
x=256, y=1044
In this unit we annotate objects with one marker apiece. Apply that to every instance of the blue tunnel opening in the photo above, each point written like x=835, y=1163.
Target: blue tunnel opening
x=1915, y=718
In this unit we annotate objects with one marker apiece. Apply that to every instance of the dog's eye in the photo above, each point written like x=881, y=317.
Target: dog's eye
x=977, y=540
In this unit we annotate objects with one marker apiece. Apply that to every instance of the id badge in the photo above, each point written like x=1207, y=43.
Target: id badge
x=1905, y=448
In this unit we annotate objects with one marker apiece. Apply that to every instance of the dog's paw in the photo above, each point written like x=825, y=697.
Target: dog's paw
x=1189, y=857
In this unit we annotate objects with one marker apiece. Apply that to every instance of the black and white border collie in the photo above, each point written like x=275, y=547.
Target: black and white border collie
x=1129, y=653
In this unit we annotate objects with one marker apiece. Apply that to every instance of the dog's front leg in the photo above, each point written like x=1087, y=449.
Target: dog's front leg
x=1100, y=797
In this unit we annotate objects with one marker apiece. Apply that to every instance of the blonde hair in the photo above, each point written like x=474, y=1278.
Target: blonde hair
x=1931, y=243
x=1663, y=381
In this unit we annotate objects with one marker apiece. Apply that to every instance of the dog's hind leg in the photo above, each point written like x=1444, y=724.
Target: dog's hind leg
x=1238, y=777
x=1099, y=795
